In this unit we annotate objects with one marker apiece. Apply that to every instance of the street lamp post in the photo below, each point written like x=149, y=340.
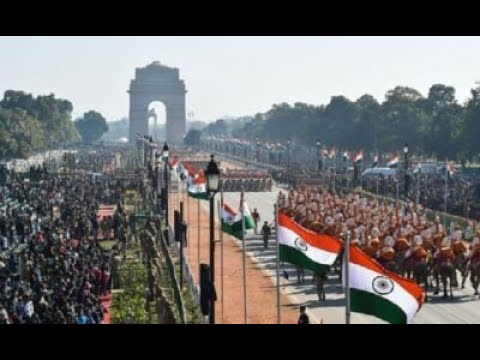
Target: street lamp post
x=319, y=167
x=288, y=162
x=406, y=180
x=156, y=179
x=165, y=157
x=212, y=174
x=417, y=183
x=150, y=155
x=258, y=150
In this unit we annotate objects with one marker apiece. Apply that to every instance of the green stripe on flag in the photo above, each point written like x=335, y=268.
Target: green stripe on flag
x=368, y=303
x=249, y=223
x=234, y=229
x=198, y=195
x=298, y=258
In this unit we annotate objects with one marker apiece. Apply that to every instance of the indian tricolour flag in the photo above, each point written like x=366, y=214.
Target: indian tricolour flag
x=380, y=292
x=198, y=188
x=393, y=161
x=249, y=223
x=305, y=248
x=174, y=164
x=332, y=153
x=357, y=157
x=451, y=169
x=232, y=220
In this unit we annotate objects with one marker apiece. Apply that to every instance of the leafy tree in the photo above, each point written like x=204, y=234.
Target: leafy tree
x=445, y=123
x=91, y=126
x=196, y=124
x=219, y=127
x=472, y=124
x=279, y=122
x=341, y=118
x=116, y=130
x=252, y=128
x=436, y=125
x=368, y=125
x=404, y=120
x=193, y=137
x=55, y=115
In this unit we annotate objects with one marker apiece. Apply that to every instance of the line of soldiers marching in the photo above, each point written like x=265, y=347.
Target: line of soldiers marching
x=399, y=237
x=244, y=179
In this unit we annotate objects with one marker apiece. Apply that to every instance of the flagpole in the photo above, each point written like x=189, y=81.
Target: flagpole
x=178, y=192
x=198, y=238
x=188, y=211
x=278, y=264
x=346, y=275
x=445, y=204
x=244, y=258
x=334, y=171
x=220, y=204
x=417, y=183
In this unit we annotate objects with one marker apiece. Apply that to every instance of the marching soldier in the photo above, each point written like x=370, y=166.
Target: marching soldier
x=387, y=254
x=445, y=254
x=474, y=254
x=417, y=252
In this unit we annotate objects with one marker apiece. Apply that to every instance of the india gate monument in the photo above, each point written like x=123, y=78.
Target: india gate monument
x=157, y=82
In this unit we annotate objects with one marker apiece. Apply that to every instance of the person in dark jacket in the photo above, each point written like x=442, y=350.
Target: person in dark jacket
x=303, y=319
x=266, y=232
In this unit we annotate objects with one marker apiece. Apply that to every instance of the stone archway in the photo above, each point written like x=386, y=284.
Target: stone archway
x=157, y=82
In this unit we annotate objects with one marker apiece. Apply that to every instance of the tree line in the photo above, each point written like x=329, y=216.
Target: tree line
x=29, y=124
x=436, y=125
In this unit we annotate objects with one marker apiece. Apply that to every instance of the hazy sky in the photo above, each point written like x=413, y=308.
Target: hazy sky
x=233, y=76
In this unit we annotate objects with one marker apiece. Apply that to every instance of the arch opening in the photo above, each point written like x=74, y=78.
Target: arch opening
x=157, y=121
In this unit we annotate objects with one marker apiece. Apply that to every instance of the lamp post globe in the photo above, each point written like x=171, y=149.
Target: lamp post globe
x=165, y=150
x=212, y=175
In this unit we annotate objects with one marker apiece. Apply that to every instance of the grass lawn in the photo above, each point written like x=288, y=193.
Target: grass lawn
x=108, y=244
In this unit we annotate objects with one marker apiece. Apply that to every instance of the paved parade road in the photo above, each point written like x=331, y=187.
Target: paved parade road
x=463, y=309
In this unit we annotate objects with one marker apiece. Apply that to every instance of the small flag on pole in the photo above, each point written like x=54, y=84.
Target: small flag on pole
x=451, y=169
x=358, y=157
x=393, y=161
x=332, y=153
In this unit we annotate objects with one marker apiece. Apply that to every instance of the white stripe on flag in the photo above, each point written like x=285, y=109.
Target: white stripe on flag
x=287, y=237
x=362, y=278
